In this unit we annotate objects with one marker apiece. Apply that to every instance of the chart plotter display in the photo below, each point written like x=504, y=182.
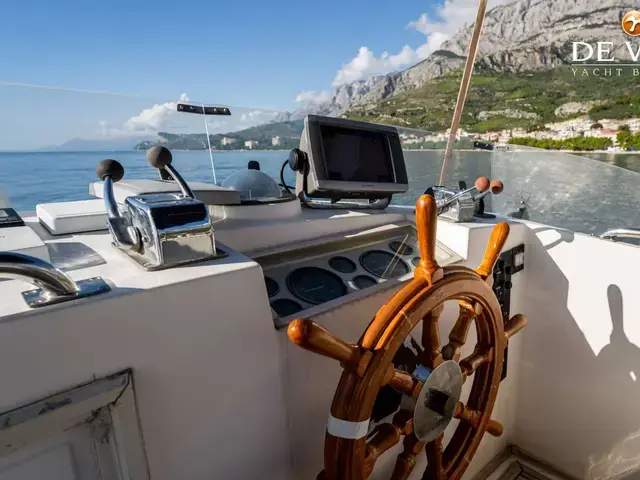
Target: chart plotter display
x=356, y=155
x=350, y=159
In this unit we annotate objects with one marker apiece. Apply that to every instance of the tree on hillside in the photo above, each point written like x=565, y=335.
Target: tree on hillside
x=623, y=138
x=623, y=128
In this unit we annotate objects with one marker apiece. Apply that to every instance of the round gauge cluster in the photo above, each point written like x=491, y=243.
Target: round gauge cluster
x=285, y=307
x=272, y=286
x=383, y=264
x=401, y=248
x=342, y=265
x=315, y=285
x=364, y=281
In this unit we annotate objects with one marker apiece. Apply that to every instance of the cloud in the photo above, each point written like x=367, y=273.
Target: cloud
x=154, y=118
x=447, y=19
x=216, y=124
x=365, y=64
x=258, y=116
x=312, y=97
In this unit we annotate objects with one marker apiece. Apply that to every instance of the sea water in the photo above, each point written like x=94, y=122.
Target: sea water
x=30, y=178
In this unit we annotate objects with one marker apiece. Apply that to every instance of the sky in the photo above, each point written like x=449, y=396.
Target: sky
x=266, y=56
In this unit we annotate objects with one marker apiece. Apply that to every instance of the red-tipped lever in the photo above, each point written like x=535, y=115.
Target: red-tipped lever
x=496, y=187
x=482, y=184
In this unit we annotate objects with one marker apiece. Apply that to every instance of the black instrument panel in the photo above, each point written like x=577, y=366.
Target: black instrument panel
x=326, y=273
x=292, y=288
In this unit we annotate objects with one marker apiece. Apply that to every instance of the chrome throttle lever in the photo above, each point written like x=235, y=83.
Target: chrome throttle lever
x=158, y=230
x=460, y=206
x=124, y=235
x=161, y=158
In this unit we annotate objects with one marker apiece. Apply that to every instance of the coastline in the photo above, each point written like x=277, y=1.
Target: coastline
x=515, y=150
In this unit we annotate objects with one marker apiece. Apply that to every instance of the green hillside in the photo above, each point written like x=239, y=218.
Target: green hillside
x=289, y=133
x=526, y=100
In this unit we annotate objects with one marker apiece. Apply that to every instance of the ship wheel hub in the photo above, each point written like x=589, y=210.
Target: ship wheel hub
x=437, y=401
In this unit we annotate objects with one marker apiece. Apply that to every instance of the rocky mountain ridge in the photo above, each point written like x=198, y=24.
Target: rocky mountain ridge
x=522, y=36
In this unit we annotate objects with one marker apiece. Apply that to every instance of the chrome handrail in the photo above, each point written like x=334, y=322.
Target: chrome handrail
x=42, y=274
x=621, y=233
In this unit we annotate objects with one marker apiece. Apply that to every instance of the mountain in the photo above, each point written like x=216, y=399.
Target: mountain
x=84, y=145
x=288, y=131
x=342, y=99
x=523, y=36
x=506, y=100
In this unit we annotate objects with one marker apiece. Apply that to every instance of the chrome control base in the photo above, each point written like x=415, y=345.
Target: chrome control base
x=454, y=205
x=86, y=288
x=149, y=266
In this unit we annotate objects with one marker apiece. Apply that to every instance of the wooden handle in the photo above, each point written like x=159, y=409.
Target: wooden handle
x=313, y=337
x=495, y=428
x=482, y=184
x=426, y=223
x=514, y=325
x=472, y=417
x=496, y=187
x=496, y=243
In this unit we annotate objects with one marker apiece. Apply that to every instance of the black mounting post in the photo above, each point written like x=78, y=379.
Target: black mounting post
x=506, y=266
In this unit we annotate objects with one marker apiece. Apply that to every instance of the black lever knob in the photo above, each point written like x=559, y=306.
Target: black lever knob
x=159, y=157
x=297, y=160
x=110, y=168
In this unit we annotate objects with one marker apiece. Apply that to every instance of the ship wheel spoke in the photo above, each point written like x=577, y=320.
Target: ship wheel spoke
x=403, y=382
x=473, y=417
x=459, y=332
x=470, y=311
x=427, y=221
x=431, y=339
x=480, y=356
x=435, y=470
x=406, y=461
x=496, y=243
x=513, y=326
x=385, y=437
x=317, y=339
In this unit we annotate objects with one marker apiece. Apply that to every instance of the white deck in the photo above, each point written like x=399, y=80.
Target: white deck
x=220, y=393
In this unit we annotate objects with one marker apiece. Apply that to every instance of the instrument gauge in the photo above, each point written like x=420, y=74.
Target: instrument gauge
x=401, y=248
x=342, y=265
x=315, y=285
x=383, y=264
x=364, y=281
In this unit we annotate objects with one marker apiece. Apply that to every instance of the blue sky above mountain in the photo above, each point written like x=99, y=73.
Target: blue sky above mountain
x=271, y=55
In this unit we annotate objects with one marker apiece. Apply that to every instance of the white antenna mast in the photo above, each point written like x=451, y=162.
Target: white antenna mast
x=206, y=129
x=464, y=88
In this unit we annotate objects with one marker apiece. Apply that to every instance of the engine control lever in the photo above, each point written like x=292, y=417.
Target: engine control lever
x=461, y=206
x=160, y=157
x=496, y=187
x=124, y=235
x=481, y=186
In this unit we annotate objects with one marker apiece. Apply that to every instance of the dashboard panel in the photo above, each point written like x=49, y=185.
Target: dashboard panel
x=308, y=280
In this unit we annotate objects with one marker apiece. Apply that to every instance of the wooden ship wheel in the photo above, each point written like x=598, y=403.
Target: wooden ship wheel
x=351, y=450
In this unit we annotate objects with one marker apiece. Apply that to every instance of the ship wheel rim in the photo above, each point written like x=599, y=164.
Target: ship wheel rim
x=362, y=390
x=350, y=451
